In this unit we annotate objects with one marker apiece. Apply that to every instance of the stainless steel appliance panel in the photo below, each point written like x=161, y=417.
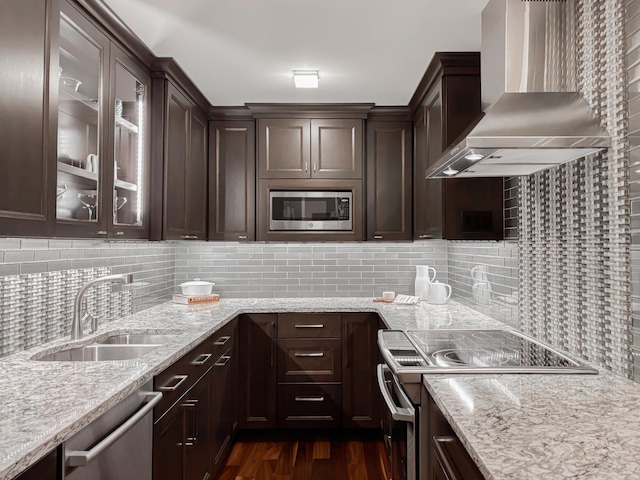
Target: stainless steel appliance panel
x=116, y=445
x=400, y=426
x=310, y=210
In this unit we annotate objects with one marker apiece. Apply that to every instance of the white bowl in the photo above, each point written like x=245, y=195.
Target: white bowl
x=196, y=287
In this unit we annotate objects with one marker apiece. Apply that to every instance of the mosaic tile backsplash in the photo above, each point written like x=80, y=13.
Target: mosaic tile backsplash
x=573, y=222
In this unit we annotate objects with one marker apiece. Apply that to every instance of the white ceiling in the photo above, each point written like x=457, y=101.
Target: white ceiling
x=244, y=51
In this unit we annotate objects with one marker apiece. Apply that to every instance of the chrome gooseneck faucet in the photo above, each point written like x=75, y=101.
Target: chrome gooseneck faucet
x=78, y=318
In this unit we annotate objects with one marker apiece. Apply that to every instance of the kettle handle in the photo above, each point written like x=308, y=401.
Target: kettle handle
x=431, y=279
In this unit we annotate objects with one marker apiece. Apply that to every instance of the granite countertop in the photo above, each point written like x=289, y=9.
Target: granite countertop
x=514, y=426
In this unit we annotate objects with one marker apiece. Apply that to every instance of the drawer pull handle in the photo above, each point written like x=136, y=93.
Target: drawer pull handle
x=310, y=399
x=222, y=361
x=222, y=340
x=202, y=359
x=377, y=237
x=172, y=388
x=189, y=237
x=425, y=236
x=311, y=325
x=319, y=354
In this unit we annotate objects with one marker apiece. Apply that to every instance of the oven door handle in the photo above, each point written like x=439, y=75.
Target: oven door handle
x=400, y=414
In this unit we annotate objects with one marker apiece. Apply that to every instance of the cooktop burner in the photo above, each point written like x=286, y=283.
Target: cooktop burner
x=491, y=348
x=412, y=353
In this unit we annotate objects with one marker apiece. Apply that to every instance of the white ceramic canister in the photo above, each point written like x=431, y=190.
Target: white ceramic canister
x=423, y=280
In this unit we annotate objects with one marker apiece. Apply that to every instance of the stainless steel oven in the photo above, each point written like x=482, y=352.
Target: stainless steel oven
x=399, y=425
x=295, y=210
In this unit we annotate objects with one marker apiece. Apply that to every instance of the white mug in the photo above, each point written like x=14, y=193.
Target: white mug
x=437, y=294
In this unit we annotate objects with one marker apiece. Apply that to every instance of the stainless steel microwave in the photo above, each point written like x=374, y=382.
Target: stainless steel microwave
x=310, y=210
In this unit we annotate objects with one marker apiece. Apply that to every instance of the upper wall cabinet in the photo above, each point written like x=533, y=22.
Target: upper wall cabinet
x=232, y=180
x=304, y=148
x=102, y=133
x=389, y=181
x=446, y=102
x=27, y=181
x=181, y=152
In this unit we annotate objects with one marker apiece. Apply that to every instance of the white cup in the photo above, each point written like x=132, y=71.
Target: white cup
x=388, y=295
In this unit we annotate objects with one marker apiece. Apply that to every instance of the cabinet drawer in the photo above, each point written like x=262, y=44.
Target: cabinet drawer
x=309, y=325
x=175, y=380
x=309, y=360
x=223, y=339
x=309, y=405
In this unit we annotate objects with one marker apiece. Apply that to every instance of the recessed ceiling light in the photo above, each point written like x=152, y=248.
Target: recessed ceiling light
x=305, y=78
x=450, y=171
x=474, y=157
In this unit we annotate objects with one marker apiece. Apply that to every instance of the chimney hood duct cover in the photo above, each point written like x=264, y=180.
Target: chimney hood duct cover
x=536, y=118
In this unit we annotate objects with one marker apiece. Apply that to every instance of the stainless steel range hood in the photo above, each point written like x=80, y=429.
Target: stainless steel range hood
x=535, y=118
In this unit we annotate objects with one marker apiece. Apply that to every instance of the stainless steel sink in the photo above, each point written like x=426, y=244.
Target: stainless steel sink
x=137, y=339
x=99, y=353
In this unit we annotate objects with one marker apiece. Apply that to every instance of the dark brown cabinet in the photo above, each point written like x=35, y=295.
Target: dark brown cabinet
x=182, y=443
x=232, y=180
x=196, y=418
x=102, y=132
x=44, y=469
x=446, y=102
x=441, y=452
x=257, y=380
x=27, y=178
x=320, y=367
x=309, y=370
x=360, y=393
x=185, y=167
x=389, y=181
x=310, y=148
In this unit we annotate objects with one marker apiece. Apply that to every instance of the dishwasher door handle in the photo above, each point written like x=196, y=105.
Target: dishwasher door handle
x=79, y=458
x=397, y=413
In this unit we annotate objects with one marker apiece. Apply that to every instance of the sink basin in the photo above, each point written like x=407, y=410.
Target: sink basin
x=137, y=339
x=99, y=353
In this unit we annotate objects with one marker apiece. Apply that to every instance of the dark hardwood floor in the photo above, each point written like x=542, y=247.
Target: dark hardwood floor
x=301, y=456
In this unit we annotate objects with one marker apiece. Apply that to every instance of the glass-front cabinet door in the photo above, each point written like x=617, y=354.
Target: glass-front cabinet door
x=102, y=134
x=82, y=58
x=130, y=87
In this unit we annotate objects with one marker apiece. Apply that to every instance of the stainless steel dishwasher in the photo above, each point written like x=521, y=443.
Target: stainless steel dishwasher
x=118, y=444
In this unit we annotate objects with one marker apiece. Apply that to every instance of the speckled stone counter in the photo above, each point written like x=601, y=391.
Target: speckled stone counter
x=514, y=426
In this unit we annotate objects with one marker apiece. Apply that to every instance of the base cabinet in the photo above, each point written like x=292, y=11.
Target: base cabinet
x=360, y=393
x=45, y=469
x=195, y=421
x=446, y=457
x=308, y=370
x=258, y=374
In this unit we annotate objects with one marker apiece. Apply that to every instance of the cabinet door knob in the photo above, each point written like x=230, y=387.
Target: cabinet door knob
x=306, y=166
x=315, y=166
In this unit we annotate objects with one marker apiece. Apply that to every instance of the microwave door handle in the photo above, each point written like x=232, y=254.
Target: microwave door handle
x=397, y=413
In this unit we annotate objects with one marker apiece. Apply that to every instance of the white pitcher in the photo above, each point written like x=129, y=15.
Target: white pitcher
x=438, y=293
x=423, y=280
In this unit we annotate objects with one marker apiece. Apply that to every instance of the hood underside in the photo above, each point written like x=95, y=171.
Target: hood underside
x=523, y=133
x=536, y=118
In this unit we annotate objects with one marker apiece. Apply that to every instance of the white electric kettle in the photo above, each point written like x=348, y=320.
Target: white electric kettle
x=438, y=293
